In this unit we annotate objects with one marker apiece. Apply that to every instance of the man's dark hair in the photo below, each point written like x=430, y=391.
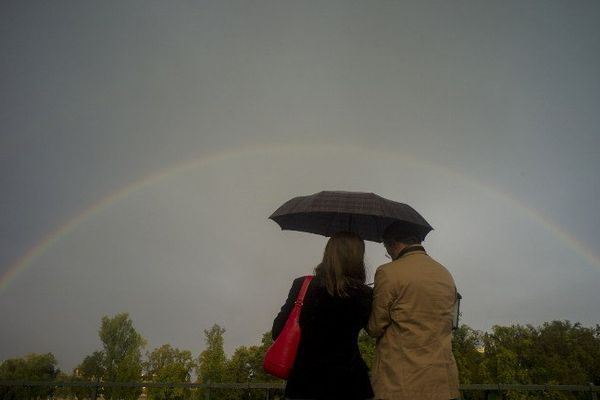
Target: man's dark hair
x=401, y=232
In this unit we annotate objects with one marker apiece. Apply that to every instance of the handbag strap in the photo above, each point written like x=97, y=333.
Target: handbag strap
x=303, y=290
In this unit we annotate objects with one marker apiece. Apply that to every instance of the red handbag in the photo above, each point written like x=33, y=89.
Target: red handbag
x=279, y=359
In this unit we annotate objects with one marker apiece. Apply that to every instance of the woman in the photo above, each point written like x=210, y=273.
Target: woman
x=336, y=307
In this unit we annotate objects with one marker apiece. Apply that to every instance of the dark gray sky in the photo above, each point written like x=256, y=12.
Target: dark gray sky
x=143, y=145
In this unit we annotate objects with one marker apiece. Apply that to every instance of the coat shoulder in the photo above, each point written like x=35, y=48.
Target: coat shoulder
x=385, y=267
x=385, y=270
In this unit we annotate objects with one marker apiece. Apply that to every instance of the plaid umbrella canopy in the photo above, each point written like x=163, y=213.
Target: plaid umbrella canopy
x=365, y=214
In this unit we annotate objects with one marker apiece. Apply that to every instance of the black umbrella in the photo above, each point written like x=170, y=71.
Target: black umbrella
x=365, y=214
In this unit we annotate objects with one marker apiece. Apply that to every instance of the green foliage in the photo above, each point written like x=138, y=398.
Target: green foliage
x=122, y=358
x=467, y=345
x=508, y=355
x=366, y=345
x=168, y=364
x=239, y=367
x=569, y=353
x=33, y=367
x=92, y=367
x=64, y=392
x=558, y=353
x=246, y=365
x=212, y=361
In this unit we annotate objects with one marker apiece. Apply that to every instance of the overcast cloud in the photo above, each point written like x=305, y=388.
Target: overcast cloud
x=151, y=140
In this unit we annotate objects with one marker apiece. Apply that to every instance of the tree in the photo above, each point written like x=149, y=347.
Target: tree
x=212, y=361
x=557, y=352
x=467, y=346
x=32, y=367
x=246, y=365
x=168, y=364
x=91, y=369
x=567, y=354
x=122, y=355
x=508, y=356
x=239, y=368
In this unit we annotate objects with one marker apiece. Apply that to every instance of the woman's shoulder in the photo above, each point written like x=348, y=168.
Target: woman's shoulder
x=300, y=280
x=297, y=284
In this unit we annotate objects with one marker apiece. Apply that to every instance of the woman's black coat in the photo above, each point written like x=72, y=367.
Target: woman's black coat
x=328, y=364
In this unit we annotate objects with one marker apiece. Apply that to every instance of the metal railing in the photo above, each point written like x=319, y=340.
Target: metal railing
x=486, y=391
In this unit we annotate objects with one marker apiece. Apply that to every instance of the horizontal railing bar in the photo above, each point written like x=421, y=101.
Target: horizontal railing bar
x=281, y=385
x=246, y=385
x=103, y=384
x=525, y=388
x=484, y=386
x=563, y=388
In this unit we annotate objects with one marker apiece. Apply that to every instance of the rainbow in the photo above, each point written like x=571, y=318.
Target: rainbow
x=53, y=237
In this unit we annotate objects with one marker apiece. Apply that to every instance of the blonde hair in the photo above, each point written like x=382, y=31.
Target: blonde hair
x=343, y=264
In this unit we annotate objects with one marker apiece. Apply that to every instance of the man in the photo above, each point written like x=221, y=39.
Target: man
x=411, y=318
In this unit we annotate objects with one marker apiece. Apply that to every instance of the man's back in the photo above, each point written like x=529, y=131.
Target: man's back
x=412, y=317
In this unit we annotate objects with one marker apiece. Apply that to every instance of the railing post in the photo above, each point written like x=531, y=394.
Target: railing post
x=594, y=393
x=207, y=392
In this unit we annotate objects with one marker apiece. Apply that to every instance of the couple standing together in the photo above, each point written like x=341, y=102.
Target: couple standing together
x=409, y=312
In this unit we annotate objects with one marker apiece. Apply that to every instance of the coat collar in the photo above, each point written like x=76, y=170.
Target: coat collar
x=413, y=248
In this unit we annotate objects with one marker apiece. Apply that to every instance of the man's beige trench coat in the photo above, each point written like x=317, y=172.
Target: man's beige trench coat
x=411, y=318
